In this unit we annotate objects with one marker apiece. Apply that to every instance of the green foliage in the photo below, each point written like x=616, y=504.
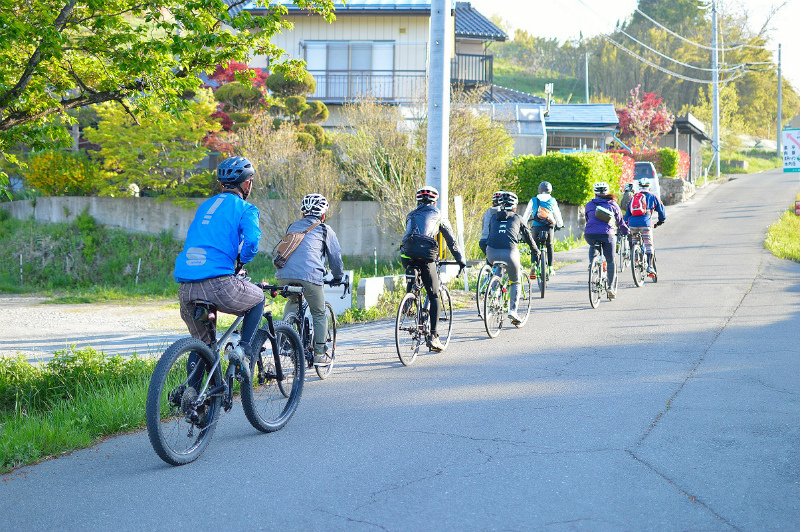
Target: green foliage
x=58, y=173
x=236, y=96
x=315, y=112
x=305, y=140
x=783, y=237
x=285, y=85
x=669, y=161
x=315, y=131
x=157, y=154
x=57, y=57
x=521, y=78
x=572, y=175
x=295, y=105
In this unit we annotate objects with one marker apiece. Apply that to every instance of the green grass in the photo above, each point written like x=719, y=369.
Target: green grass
x=783, y=236
x=73, y=401
x=518, y=78
x=757, y=161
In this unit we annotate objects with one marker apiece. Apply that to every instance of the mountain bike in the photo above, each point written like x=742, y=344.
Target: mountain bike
x=598, y=276
x=305, y=328
x=497, y=299
x=412, y=325
x=622, y=252
x=639, y=260
x=484, y=275
x=184, y=402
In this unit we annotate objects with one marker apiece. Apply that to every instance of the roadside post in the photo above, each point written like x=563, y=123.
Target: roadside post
x=458, y=203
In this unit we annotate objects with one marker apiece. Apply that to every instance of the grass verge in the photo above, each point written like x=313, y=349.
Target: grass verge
x=783, y=236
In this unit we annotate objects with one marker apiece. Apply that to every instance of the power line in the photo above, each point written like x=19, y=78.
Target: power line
x=684, y=39
x=728, y=69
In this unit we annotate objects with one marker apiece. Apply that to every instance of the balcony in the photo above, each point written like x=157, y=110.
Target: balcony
x=391, y=86
x=472, y=69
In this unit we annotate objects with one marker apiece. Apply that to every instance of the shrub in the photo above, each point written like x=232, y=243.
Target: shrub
x=572, y=174
x=305, y=140
x=315, y=131
x=669, y=161
x=625, y=162
x=285, y=86
x=315, y=112
x=58, y=173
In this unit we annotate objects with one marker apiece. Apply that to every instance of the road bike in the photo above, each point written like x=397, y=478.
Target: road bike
x=542, y=274
x=497, y=299
x=412, y=325
x=639, y=260
x=305, y=328
x=186, y=395
x=484, y=275
x=598, y=276
x=622, y=252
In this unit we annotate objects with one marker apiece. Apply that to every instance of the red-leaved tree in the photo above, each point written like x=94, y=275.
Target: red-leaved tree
x=643, y=120
x=227, y=73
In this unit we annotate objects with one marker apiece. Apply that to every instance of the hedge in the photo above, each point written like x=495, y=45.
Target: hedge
x=571, y=174
x=668, y=161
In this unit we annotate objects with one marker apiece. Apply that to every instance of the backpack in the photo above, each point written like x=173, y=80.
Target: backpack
x=639, y=204
x=544, y=215
x=287, y=245
x=419, y=246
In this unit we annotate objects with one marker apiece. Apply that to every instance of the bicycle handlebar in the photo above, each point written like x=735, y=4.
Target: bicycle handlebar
x=283, y=291
x=344, y=282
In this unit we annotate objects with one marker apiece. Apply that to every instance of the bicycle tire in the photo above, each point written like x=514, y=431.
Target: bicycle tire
x=323, y=372
x=484, y=275
x=170, y=401
x=494, y=307
x=445, y=315
x=268, y=403
x=637, y=265
x=595, y=272
x=525, y=299
x=655, y=268
x=408, y=334
x=542, y=278
x=308, y=346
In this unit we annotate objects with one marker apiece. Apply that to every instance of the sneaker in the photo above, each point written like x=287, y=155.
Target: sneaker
x=650, y=270
x=611, y=294
x=435, y=344
x=240, y=359
x=549, y=272
x=514, y=317
x=322, y=359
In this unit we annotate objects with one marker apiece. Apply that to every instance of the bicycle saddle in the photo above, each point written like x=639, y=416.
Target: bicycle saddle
x=204, y=311
x=500, y=263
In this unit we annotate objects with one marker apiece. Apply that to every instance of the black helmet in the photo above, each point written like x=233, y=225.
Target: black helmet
x=496, y=198
x=234, y=170
x=509, y=201
x=545, y=187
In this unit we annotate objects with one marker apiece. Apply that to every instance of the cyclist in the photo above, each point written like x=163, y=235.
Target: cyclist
x=546, y=217
x=627, y=195
x=306, y=267
x=223, y=235
x=420, y=249
x=603, y=220
x=638, y=216
x=489, y=213
x=506, y=230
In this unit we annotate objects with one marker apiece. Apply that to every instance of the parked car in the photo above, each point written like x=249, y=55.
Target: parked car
x=646, y=169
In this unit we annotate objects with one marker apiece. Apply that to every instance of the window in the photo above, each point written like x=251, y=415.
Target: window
x=346, y=70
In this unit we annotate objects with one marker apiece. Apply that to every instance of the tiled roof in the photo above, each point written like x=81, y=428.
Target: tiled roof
x=358, y=6
x=471, y=24
x=500, y=94
x=237, y=8
x=582, y=115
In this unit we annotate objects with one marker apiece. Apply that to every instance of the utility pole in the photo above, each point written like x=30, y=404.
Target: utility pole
x=436, y=166
x=587, y=77
x=780, y=105
x=715, y=87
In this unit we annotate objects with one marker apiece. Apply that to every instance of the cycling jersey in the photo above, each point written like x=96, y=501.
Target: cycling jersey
x=507, y=231
x=427, y=220
x=221, y=225
x=653, y=204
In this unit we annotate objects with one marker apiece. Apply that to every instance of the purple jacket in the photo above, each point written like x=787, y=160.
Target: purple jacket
x=598, y=227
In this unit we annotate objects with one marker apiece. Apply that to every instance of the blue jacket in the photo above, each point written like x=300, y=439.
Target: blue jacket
x=599, y=227
x=653, y=203
x=221, y=225
x=548, y=202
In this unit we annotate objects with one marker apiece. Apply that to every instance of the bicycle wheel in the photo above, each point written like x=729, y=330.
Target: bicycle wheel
x=480, y=289
x=595, y=272
x=542, y=277
x=494, y=307
x=624, y=259
x=638, y=269
x=655, y=268
x=525, y=299
x=445, y=326
x=269, y=403
x=305, y=337
x=408, y=333
x=181, y=415
x=330, y=342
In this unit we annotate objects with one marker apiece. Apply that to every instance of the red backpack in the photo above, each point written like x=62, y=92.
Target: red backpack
x=639, y=204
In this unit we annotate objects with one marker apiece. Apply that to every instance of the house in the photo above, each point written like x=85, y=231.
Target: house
x=573, y=127
x=379, y=49
x=688, y=134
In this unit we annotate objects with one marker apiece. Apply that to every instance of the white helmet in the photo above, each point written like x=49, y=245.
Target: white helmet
x=314, y=205
x=601, y=188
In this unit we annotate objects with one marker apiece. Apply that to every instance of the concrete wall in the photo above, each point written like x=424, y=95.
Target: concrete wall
x=355, y=222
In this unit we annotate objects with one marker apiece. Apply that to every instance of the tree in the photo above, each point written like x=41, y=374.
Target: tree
x=644, y=120
x=57, y=55
x=157, y=154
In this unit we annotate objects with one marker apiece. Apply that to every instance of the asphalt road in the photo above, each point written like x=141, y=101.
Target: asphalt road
x=675, y=407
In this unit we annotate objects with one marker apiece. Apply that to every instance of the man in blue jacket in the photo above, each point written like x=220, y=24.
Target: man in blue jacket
x=225, y=227
x=543, y=227
x=638, y=216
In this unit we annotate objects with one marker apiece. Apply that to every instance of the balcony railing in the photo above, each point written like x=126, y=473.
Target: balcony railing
x=472, y=69
x=339, y=86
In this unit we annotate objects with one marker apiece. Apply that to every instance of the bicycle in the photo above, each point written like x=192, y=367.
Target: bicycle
x=305, y=328
x=542, y=275
x=496, y=300
x=623, y=253
x=183, y=406
x=598, y=276
x=411, y=325
x=639, y=260
x=484, y=275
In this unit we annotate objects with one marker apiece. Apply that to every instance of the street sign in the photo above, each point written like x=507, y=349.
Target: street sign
x=791, y=150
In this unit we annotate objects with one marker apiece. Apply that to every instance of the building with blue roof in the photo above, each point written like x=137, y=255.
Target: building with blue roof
x=581, y=126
